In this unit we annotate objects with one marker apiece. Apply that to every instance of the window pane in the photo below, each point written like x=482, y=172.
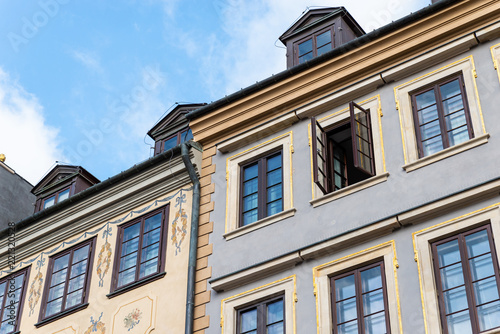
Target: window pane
x=373, y=302
x=477, y=243
x=452, y=276
x=248, y=320
x=452, y=105
x=430, y=130
x=250, y=172
x=346, y=310
x=275, y=329
x=78, y=269
x=148, y=268
x=481, y=267
x=131, y=232
x=128, y=261
x=6, y=327
x=305, y=47
x=455, y=300
x=130, y=246
x=428, y=114
x=186, y=135
x=56, y=291
x=76, y=283
x=275, y=312
x=274, y=177
x=458, y=136
x=63, y=195
x=371, y=279
x=250, y=202
x=324, y=49
x=80, y=254
x=53, y=307
x=274, y=208
x=152, y=222
x=250, y=217
x=432, y=146
x=375, y=324
x=455, y=120
x=485, y=290
x=306, y=57
x=324, y=38
x=489, y=316
x=59, y=277
x=49, y=202
x=250, y=187
x=345, y=288
x=169, y=143
x=61, y=263
x=349, y=328
x=151, y=237
x=74, y=298
x=274, y=193
x=425, y=99
x=448, y=253
x=126, y=277
x=459, y=323
x=274, y=162
x=150, y=252
x=450, y=89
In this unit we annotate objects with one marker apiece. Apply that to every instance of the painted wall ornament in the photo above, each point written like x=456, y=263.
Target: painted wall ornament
x=97, y=326
x=104, y=257
x=132, y=319
x=179, y=224
x=35, y=291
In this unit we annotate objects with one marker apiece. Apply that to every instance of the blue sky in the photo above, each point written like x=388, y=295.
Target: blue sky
x=81, y=82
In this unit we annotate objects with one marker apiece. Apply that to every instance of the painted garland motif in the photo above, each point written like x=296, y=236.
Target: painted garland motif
x=179, y=232
x=35, y=291
x=132, y=319
x=96, y=327
x=104, y=257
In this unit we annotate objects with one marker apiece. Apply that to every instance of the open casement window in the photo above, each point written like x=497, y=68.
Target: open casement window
x=343, y=155
x=12, y=292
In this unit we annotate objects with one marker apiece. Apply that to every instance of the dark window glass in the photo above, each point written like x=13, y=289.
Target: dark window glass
x=141, y=249
x=170, y=143
x=468, y=282
x=343, y=155
x=265, y=317
x=177, y=139
x=68, y=280
x=441, y=116
x=359, y=301
x=58, y=197
x=12, y=291
x=314, y=46
x=261, y=188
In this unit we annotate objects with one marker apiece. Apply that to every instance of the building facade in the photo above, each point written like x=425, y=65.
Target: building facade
x=358, y=191
x=106, y=257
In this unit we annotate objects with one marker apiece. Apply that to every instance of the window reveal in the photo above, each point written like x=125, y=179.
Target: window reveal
x=467, y=277
x=262, y=188
x=343, y=155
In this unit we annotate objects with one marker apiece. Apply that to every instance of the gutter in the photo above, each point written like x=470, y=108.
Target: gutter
x=344, y=48
x=193, y=243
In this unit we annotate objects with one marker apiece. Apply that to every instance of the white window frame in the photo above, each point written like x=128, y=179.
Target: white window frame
x=233, y=175
x=337, y=117
x=322, y=274
x=423, y=255
x=402, y=92
x=285, y=286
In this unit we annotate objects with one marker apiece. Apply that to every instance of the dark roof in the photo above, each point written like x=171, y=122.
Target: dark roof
x=364, y=39
x=175, y=116
x=62, y=171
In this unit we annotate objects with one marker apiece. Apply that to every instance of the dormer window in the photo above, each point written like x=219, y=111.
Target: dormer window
x=314, y=46
x=56, y=198
x=176, y=139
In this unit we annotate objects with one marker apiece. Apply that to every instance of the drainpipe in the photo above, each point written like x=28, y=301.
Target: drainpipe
x=193, y=243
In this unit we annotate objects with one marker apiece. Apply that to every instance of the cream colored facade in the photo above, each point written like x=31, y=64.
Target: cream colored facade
x=158, y=306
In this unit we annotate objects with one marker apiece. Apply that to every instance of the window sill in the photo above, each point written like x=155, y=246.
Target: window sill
x=136, y=285
x=61, y=315
x=260, y=223
x=349, y=190
x=448, y=152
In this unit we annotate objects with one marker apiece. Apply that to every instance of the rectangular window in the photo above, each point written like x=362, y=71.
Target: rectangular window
x=343, y=155
x=172, y=141
x=262, y=188
x=68, y=280
x=140, y=250
x=441, y=116
x=58, y=197
x=12, y=292
x=467, y=277
x=359, y=301
x=265, y=317
x=314, y=46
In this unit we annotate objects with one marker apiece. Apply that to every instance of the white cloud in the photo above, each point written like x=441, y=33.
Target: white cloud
x=30, y=145
x=88, y=59
x=253, y=28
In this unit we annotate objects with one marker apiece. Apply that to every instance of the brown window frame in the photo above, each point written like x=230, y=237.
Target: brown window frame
x=314, y=43
x=359, y=296
x=56, y=196
x=7, y=279
x=160, y=272
x=262, y=185
x=160, y=145
x=323, y=149
x=468, y=283
x=261, y=307
x=42, y=319
x=439, y=105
